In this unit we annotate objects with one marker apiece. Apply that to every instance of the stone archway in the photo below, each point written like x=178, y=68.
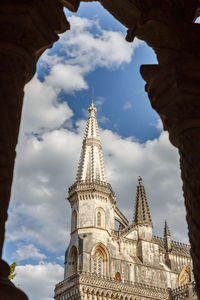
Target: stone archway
x=73, y=260
x=27, y=29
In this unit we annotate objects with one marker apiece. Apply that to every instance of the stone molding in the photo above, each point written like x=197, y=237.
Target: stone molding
x=91, y=187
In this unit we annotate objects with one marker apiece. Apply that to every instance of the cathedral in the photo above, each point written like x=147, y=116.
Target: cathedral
x=106, y=263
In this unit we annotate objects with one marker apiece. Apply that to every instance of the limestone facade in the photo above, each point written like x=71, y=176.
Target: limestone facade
x=128, y=262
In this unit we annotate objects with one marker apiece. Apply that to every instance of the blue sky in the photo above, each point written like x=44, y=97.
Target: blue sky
x=93, y=53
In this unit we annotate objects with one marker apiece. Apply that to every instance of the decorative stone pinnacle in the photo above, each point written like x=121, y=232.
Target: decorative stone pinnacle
x=166, y=229
x=142, y=214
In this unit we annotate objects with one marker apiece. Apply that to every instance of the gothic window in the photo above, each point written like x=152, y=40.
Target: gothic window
x=98, y=262
x=98, y=219
x=74, y=220
x=73, y=261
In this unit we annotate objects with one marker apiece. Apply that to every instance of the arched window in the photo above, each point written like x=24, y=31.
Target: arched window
x=99, y=219
x=73, y=261
x=74, y=220
x=98, y=262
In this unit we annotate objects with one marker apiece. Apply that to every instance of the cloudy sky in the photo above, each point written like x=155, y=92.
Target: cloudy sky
x=93, y=53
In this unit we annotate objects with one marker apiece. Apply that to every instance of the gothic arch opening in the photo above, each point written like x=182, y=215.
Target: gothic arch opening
x=73, y=260
x=100, y=217
x=99, y=259
x=74, y=220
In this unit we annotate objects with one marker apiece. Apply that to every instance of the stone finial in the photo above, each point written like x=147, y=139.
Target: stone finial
x=140, y=180
x=92, y=109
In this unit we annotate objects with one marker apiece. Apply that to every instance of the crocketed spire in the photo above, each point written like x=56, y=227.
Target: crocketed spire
x=166, y=230
x=142, y=214
x=91, y=165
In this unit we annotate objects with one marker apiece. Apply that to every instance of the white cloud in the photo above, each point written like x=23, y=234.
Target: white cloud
x=28, y=252
x=105, y=49
x=44, y=170
x=127, y=105
x=70, y=78
x=159, y=125
x=61, y=258
x=103, y=119
x=99, y=102
x=38, y=281
x=42, y=110
x=85, y=51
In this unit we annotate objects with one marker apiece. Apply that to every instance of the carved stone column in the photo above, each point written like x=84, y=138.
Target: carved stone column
x=27, y=28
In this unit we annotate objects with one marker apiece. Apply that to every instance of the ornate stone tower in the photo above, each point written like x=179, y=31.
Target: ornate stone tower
x=92, y=201
x=104, y=263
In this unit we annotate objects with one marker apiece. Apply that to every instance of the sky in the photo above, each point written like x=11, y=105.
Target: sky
x=93, y=53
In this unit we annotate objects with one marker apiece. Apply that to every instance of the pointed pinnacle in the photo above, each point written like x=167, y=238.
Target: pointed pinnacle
x=91, y=165
x=142, y=213
x=166, y=229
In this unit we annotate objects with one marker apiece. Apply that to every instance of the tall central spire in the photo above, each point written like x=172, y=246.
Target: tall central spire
x=91, y=166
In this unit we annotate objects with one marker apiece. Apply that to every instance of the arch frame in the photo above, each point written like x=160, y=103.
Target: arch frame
x=106, y=257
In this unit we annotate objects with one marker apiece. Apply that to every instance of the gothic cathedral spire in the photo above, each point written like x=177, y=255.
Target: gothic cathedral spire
x=91, y=165
x=166, y=230
x=142, y=214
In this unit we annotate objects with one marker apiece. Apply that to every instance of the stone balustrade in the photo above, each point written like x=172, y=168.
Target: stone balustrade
x=186, y=291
